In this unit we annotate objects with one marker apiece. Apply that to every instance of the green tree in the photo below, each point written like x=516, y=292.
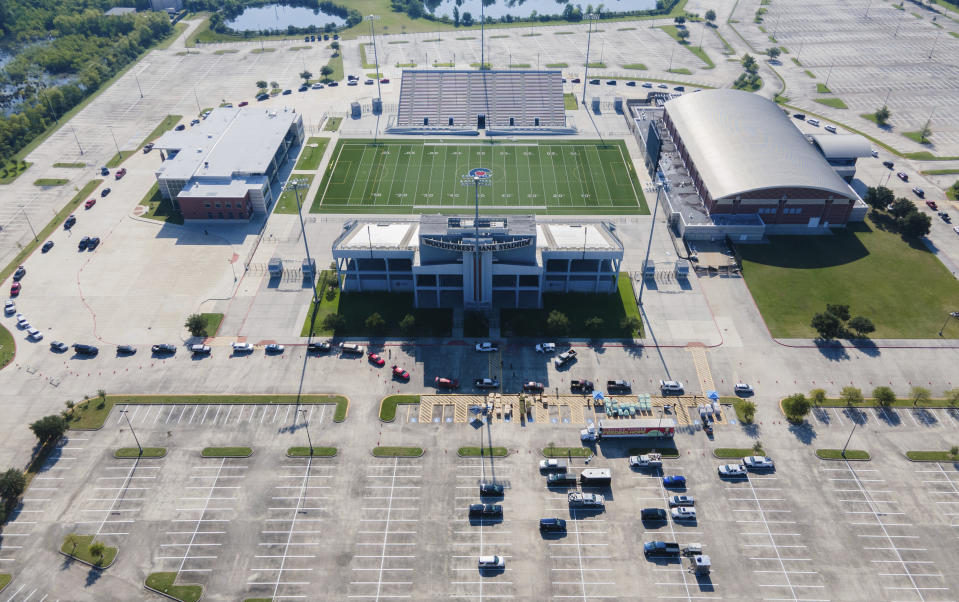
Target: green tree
x=838, y=310
x=878, y=197
x=773, y=52
x=710, y=16
x=680, y=20
x=796, y=407
x=196, y=325
x=261, y=85
x=466, y=19
x=274, y=85
x=326, y=71
x=682, y=34
x=817, y=396
x=749, y=63
x=952, y=396
x=919, y=395
x=12, y=484
x=826, y=325
x=49, y=428
x=335, y=46
x=748, y=409
x=630, y=325
x=954, y=451
x=408, y=324
x=594, y=325
x=306, y=76
x=882, y=115
x=557, y=323
x=333, y=322
x=884, y=395
x=758, y=447
x=902, y=207
x=862, y=326
x=97, y=549
x=375, y=323
x=851, y=395
x=915, y=224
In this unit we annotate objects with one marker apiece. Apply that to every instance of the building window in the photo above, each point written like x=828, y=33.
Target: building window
x=221, y=215
x=231, y=215
x=207, y=205
x=209, y=215
x=218, y=205
x=227, y=205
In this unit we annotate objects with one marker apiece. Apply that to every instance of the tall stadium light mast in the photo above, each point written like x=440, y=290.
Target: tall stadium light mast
x=476, y=177
x=482, y=34
x=297, y=185
x=590, y=17
x=376, y=62
x=649, y=243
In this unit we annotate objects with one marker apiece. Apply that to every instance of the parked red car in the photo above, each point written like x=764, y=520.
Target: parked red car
x=400, y=373
x=15, y=289
x=446, y=383
x=375, y=359
x=120, y=173
x=90, y=203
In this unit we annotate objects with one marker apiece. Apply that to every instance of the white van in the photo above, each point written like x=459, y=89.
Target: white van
x=830, y=128
x=814, y=122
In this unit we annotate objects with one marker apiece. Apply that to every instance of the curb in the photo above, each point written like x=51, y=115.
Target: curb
x=911, y=460
x=288, y=455
x=91, y=565
x=508, y=453
x=869, y=459
x=379, y=413
x=713, y=452
x=156, y=591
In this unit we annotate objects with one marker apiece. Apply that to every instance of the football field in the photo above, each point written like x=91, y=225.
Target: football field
x=424, y=176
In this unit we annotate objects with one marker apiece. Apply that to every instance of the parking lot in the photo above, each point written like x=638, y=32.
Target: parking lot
x=263, y=526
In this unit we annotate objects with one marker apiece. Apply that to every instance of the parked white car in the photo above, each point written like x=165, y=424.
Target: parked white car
x=758, y=462
x=546, y=347
x=684, y=513
x=242, y=347
x=491, y=562
x=732, y=470
x=743, y=389
x=34, y=335
x=671, y=387
x=486, y=347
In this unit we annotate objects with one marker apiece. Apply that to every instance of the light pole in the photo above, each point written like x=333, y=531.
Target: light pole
x=934, y=44
x=310, y=440
x=649, y=244
x=843, y=452
x=671, y=55
x=112, y=135
x=899, y=22
x=376, y=62
x=75, y=137
x=476, y=177
x=830, y=73
x=295, y=186
x=138, y=85
x=130, y=424
x=868, y=4
x=590, y=17
x=197, y=98
x=952, y=314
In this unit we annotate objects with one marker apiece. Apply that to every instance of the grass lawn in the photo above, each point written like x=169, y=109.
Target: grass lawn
x=168, y=123
x=519, y=66
x=939, y=172
x=578, y=307
x=673, y=32
x=397, y=452
x=597, y=65
x=134, y=452
x=869, y=402
x=666, y=452
x=119, y=158
x=393, y=307
x=569, y=101
x=682, y=71
x=332, y=124
x=902, y=287
x=836, y=454
x=78, y=546
x=635, y=66
x=287, y=201
x=70, y=165
x=557, y=65
x=50, y=182
x=950, y=194
x=543, y=176
x=835, y=103
x=870, y=117
x=212, y=323
x=809, y=73
x=312, y=154
x=336, y=63
x=8, y=347
x=52, y=225
x=915, y=137
x=566, y=452
x=226, y=452
x=13, y=171
x=366, y=63
x=304, y=452
x=5, y=580
x=159, y=208
x=738, y=407
x=823, y=89
x=163, y=582
x=262, y=50
x=388, y=405
x=931, y=456
x=736, y=453
x=226, y=51
x=91, y=414
x=478, y=452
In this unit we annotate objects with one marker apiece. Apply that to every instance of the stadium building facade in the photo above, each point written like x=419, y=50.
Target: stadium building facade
x=226, y=167
x=477, y=264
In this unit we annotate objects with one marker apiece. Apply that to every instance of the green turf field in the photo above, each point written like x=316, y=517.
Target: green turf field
x=419, y=176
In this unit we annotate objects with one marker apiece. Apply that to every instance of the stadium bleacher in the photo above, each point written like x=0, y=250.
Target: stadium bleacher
x=455, y=100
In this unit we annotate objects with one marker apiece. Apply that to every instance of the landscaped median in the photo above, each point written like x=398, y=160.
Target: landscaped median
x=836, y=454
x=934, y=456
x=736, y=453
x=5, y=580
x=388, y=405
x=227, y=452
x=91, y=414
x=398, y=452
x=479, y=452
x=318, y=452
x=136, y=452
x=552, y=451
x=88, y=551
x=163, y=584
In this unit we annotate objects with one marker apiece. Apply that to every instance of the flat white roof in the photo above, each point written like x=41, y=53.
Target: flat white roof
x=573, y=236
x=222, y=187
x=383, y=235
x=229, y=141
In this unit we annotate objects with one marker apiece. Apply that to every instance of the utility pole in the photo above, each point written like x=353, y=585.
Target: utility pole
x=295, y=186
x=126, y=415
x=649, y=244
x=590, y=17
x=308, y=438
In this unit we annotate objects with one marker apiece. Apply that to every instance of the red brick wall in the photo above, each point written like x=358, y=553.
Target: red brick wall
x=206, y=208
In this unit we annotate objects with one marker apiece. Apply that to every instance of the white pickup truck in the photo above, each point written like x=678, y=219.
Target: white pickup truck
x=586, y=500
x=646, y=461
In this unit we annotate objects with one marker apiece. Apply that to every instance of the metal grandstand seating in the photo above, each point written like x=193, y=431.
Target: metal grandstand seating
x=454, y=100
